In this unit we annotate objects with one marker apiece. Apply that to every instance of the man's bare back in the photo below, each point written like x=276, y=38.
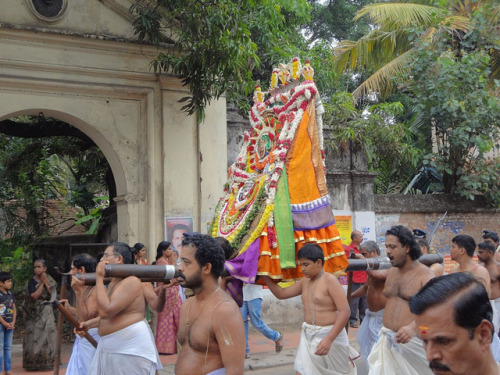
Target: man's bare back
x=494, y=270
x=401, y=284
x=126, y=305
x=374, y=285
x=480, y=272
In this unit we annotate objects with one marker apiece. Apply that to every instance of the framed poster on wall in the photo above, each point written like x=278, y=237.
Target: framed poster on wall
x=175, y=227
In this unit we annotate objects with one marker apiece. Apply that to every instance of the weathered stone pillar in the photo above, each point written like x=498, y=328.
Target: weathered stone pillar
x=350, y=185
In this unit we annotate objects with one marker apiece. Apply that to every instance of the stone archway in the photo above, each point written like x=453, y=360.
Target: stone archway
x=102, y=143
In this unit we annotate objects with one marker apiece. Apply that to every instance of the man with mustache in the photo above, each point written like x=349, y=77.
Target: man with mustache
x=453, y=316
x=211, y=329
x=398, y=350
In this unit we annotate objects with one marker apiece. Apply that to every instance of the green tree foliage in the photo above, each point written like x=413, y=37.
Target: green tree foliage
x=34, y=171
x=227, y=46
x=213, y=46
x=388, y=143
x=331, y=21
x=452, y=96
x=400, y=27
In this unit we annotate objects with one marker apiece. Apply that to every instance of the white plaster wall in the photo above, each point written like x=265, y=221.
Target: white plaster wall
x=105, y=89
x=108, y=17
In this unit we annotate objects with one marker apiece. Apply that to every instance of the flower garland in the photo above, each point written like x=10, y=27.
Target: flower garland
x=289, y=109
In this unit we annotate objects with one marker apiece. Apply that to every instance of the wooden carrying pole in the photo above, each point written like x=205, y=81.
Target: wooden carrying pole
x=57, y=357
x=73, y=321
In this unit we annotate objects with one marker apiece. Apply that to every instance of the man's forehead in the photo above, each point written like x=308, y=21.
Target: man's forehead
x=188, y=251
x=392, y=239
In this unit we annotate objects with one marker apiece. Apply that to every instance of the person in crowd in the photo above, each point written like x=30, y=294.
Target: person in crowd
x=8, y=314
x=486, y=255
x=140, y=254
x=373, y=289
x=251, y=311
x=453, y=316
x=127, y=344
x=356, y=304
x=41, y=333
x=398, y=350
x=324, y=345
x=168, y=319
x=462, y=252
x=490, y=236
x=86, y=308
x=211, y=328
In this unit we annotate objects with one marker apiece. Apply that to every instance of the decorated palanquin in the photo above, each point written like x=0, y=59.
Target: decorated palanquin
x=276, y=198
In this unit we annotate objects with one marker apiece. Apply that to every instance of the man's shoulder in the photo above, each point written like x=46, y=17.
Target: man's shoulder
x=479, y=269
x=130, y=282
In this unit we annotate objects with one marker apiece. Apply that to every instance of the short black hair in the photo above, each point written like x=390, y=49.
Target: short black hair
x=163, y=245
x=488, y=246
x=311, y=251
x=121, y=248
x=4, y=276
x=207, y=251
x=406, y=238
x=470, y=309
x=226, y=246
x=465, y=241
x=491, y=235
x=86, y=261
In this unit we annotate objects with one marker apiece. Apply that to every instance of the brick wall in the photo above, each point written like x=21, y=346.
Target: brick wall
x=423, y=211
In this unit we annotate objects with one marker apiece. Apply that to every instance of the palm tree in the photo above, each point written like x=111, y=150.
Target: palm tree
x=388, y=47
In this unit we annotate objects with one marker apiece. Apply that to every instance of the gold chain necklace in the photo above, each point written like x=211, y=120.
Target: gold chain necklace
x=313, y=320
x=202, y=308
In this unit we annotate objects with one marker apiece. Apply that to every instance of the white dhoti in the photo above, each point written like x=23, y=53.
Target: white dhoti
x=368, y=332
x=82, y=354
x=390, y=358
x=495, y=344
x=495, y=304
x=339, y=359
x=129, y=351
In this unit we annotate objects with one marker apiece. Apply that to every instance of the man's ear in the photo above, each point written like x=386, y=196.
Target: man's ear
x=485, y=333
x=207, y=268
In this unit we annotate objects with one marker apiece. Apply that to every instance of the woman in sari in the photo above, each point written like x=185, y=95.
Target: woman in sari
x=40, y=336
x=168, y=319
x=139, y=251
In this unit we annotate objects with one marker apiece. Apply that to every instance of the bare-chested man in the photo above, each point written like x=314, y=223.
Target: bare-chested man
x=324, y=345
x=492, y=237
x=486, y=255
x=373, y=289
x=462, y=251
x=398, y=350
x=126, y=345
x=86, y=308
x=211, y=329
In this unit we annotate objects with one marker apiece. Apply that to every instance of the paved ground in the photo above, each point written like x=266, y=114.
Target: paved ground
x=262, y=354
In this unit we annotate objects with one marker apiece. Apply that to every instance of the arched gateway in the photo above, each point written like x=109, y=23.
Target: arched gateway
x=83, y=67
